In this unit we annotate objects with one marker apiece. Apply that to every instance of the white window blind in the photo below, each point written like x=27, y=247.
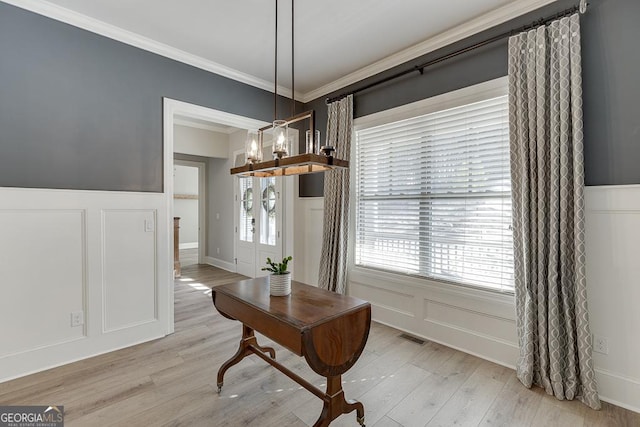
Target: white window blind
x=433, y=196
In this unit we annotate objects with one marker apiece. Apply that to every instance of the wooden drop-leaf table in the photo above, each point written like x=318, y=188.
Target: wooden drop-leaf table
x=330, y=330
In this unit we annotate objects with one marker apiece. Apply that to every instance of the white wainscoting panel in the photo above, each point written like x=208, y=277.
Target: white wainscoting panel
x=309, y=213
x=129, y=276
x=313, y=243
x=390, y=300
x=613, y=282
x=105, y=255
x=42, y=254
x=475, y=321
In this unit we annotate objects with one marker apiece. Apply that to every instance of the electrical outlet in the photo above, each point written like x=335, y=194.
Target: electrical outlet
x=218, y=251
x=77, y=318
x=600, y=345
x=148, y=225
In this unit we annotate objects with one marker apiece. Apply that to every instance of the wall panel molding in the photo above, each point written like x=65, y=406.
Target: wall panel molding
x=613, y=288
x=129, y=282
x=475, y=321
x=43, y=258
x=54, y=246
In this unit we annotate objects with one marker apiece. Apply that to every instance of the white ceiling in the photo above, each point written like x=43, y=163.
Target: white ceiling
x=337, y=42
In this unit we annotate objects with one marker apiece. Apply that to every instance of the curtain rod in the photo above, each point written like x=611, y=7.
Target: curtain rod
x=420, y=68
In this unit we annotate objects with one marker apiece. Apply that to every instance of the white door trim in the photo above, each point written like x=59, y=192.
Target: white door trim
x=236, y=212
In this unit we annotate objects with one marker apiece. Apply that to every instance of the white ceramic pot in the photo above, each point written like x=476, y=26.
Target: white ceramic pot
x=280, y=284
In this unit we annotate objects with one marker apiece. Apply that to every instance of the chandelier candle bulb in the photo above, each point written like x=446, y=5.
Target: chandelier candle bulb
x=280, y=139
x=253, y=148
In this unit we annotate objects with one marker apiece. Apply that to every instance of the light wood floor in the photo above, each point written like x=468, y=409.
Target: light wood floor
x=172, y=382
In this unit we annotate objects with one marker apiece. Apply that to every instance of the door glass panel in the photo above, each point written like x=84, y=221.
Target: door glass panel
x=247, y=220
x=268, y=211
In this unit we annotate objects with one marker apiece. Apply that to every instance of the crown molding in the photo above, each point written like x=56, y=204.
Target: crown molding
x=53, y=11
x=460, y=32
x=474, y=26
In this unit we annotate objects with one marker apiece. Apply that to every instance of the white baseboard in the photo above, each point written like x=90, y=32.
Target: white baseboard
x=499, y=361
x=44, y=359
x=225, y=265
x=618, y=390
x=189, y=245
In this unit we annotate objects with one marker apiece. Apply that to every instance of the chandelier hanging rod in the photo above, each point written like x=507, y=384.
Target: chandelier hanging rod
x=275, y=63
x=275, y=73
x=293, y=68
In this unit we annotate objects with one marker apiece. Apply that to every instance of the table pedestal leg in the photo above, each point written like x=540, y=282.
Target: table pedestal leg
x=248, y=340
x=335, y=404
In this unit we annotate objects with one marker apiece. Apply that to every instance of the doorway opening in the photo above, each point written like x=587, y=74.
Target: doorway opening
x=219, y=251
x=189, y=203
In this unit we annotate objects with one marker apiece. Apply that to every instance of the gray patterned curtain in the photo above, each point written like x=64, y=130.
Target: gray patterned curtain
x=333, y=261
x=547, y=173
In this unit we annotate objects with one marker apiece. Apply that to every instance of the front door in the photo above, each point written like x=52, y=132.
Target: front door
x=259, y=223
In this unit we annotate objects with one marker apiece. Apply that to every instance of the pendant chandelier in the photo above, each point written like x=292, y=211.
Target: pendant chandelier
x=316, y=158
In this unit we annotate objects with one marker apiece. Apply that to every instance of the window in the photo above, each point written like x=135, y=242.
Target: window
x=268, y=212
x=433, y=195
x=247, y=219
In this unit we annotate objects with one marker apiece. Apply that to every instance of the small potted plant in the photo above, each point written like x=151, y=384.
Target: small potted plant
x=280, y=278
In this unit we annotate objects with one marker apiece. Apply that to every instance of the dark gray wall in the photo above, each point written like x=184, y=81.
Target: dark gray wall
x=611, y=86
x=81, y=111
